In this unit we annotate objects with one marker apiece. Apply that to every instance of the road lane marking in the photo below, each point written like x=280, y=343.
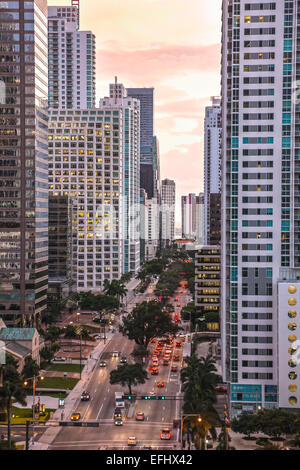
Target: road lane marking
x=99, y=412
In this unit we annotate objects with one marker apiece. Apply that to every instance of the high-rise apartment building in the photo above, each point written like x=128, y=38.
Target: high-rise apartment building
x=72, y=61
x=260, y=201
x=156, y=168
x=60, y=248
x=208, y=281
x=212, y=172
x=168, y=199
x=188, y=216
x=146, y=96
x=94, y=159
x=23, y=161
x=150, y=216
x=192, y=215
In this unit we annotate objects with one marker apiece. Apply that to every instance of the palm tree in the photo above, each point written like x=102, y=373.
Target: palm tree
x=199, y=381
x=115, y=288
x=12, y=389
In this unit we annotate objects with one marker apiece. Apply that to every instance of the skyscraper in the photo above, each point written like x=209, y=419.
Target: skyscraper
x=72, y=61
x=260, y=201
x=212, y=172
x=192, y=215
x=168, y=199
x=94, y=159
x=145, y=96
x=23, y=161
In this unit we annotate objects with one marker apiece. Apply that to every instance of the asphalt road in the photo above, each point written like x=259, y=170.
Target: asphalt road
x=158, y=413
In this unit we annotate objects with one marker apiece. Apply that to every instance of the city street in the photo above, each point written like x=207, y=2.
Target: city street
x=158, y=413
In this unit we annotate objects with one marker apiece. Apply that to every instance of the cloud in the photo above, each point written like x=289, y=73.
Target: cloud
x=186, y=161
x=150, y=66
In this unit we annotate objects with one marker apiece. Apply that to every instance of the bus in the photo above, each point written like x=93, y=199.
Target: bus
x=120, y=403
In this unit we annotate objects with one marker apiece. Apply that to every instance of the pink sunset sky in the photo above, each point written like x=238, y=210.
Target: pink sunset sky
x=173, y=46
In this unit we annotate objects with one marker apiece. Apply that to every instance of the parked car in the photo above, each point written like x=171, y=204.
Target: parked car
x=59, y=359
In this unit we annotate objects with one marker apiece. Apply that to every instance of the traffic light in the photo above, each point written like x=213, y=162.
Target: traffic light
x=129, y=397
x=161, y=397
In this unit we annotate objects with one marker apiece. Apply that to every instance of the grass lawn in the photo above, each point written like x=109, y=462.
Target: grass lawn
x=66, y=367
x=53, y=394
x=63, y=383
x=21, y=415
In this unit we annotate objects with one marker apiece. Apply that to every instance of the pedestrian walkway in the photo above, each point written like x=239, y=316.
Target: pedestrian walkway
x=49, y=402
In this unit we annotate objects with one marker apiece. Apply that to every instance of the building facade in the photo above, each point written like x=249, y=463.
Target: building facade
x=146, y=98
x=60, y=248
x=168, y=199
x=212, y=171
x=94, y=159
x=72, y=61
x=23, y=161
x=260, y=196
x=208, y=281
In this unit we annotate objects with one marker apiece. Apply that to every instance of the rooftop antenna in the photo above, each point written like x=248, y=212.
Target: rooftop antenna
x=76, y=3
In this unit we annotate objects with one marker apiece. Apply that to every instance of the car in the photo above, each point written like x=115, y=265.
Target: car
x=102, y=364
x=123, y=360
x=118, y=422
x=178, y=305
x=165, y=434
x=178, y=344
x=154, y=371
x=140, y=416
x=146, y=448
x=165, y=362
x=160, y=384
x=176, y=357
x=117, y=413
x=85, y=396
x=76, y=416
x=174, y=369
x=221, y=389
x=131, y=441
x=59, y=359
x=115, y=354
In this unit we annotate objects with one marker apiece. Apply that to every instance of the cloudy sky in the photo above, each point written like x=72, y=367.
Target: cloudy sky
x=173, y=46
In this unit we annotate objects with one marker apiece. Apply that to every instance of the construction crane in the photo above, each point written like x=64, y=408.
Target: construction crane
x=76, y=3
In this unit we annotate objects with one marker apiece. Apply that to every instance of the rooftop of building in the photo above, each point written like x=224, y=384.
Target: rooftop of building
x=17, y=334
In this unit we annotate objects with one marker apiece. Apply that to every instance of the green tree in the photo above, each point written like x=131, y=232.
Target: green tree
x=148, y=320
x=70, y=332
x=199, y=381
x=115, y=289
x=128, y=375
x=12, y=389
x=246, y=423
x=30, y=369
x=52, y=334
x=47, y=354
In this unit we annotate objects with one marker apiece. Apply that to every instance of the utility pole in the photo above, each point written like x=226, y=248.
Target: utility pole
x=27, y=435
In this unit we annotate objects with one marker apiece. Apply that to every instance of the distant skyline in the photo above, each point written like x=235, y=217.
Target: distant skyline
x=173, y=46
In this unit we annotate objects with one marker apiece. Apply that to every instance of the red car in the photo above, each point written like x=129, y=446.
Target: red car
x=176, y=357
x=154, y=371
x=178, y=344
x=174, y=369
